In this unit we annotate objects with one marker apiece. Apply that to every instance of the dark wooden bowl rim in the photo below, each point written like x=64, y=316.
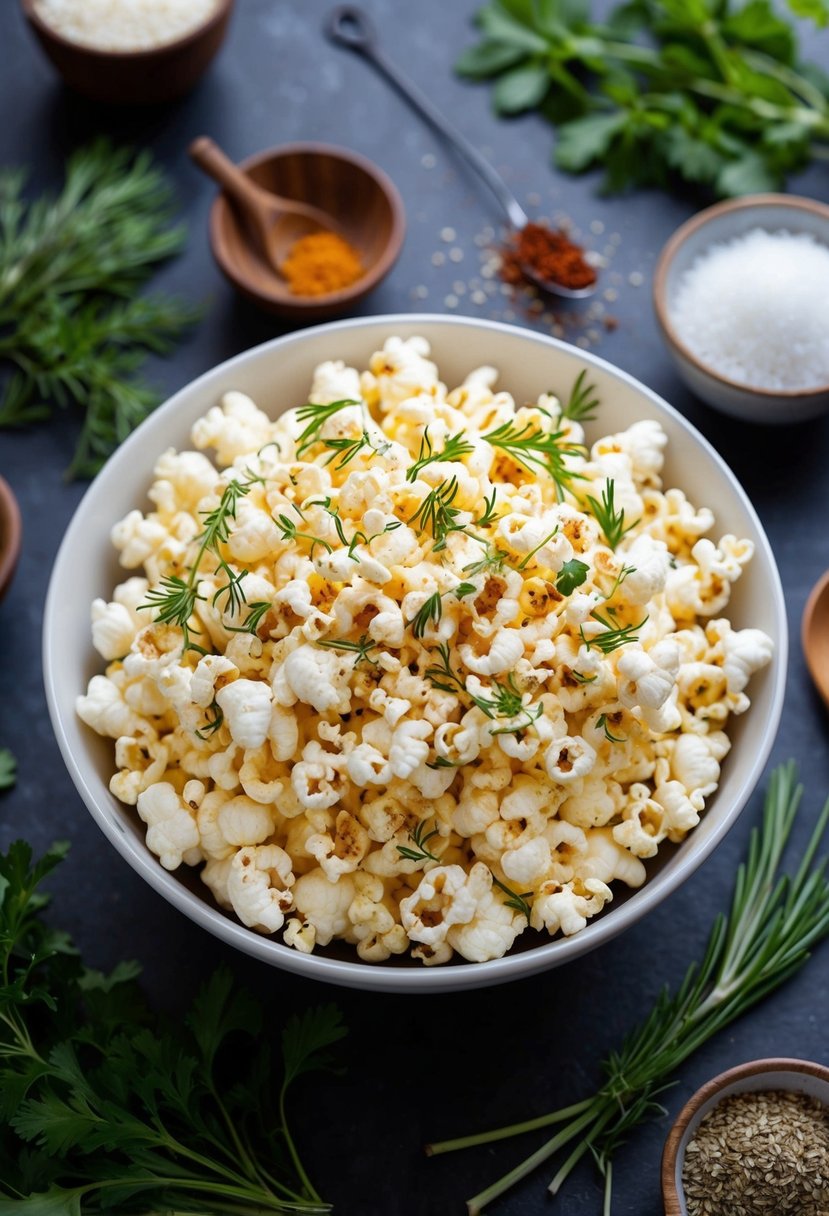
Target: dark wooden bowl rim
x=147, y=53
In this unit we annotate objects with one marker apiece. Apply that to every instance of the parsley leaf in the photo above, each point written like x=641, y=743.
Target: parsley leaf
x=8, y=769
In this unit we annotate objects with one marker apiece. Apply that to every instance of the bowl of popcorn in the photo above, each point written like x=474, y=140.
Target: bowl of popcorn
x=415, y=653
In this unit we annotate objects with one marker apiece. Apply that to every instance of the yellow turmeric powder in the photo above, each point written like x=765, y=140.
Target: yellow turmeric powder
x=320, y=263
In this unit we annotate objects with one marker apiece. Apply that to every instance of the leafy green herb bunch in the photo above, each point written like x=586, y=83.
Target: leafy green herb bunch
x=106, y=1107
x=74, y=326
x=709, y=92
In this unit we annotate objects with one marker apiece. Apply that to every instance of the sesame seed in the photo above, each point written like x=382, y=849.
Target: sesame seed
x=448, y=235
x=438, y=258
x=456, y=254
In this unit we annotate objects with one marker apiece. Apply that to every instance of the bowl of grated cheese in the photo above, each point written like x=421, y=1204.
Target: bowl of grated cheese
x=129, y=52
x=740, y=297
x=395, y=652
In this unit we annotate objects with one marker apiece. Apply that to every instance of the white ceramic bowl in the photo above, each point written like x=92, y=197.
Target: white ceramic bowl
x=720, y=223
x=277, y=376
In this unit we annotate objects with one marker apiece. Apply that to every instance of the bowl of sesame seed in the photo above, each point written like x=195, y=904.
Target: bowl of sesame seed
x=753, y=1140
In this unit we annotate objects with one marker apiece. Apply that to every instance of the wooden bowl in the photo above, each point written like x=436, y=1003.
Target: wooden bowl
x=357, y=194
x=144, y=77
x=10, y=535
x=798, y=1076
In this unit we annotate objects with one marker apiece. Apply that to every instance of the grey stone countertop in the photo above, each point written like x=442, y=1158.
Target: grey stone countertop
x=430, y=1067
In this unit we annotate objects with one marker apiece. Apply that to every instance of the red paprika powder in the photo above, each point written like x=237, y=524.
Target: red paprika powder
x=550, y=254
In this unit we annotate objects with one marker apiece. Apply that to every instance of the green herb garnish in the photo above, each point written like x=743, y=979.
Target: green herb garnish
x=316, y=417
x=8, y=769
x=507, y=700
x=74, y=329
x=582, y=403
x=437, y=515
x=419, y=838
x=107, y=1107
x=601, y=724
x=430, y=613
x=215, y=718
x=533, y=449
x=454, y=447
x=571, y=575
x=774, y=920
x=615, y=635
x=361, y=648
x=514, y=900
x=660, y=91
x=611, y=521
x=175, y=598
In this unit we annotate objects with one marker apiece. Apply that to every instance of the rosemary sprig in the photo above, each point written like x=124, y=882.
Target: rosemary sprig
x=361, y=647
x=774, y=920
x=215, y=718
x=611, y=521
x=614, y=635
x=437, y=515
x=316, y=416
x=534, y=449
x=430, y=613
x=514, y=900
x=489, y=517
x=454, y=447
x=419, y=838
x=582, y=403
x=507, y=700
x=527, y=558
x=601, y=724
x=347, y=449
x=290, y=531
x=74, y=328
x=175, y=598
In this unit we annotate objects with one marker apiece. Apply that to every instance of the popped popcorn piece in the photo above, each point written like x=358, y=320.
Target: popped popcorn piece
x=259, y=887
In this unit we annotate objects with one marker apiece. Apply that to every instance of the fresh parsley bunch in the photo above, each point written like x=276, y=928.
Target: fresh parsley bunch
x=73, y=326
x=105, y=1107
x=706, y=91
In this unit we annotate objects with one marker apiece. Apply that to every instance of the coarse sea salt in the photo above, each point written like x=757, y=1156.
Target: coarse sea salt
x=124, y=25
x=756, y=310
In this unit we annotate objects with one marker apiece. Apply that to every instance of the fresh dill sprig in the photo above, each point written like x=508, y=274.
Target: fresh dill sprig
x=175, y=598
x=516, y=901
x=361, y=647
x=534, y=449
x=582, y=403
x=611, y=521
x=774, y=921
x=442, y=762
x=454, y=447
x=430, y=613
x=74, y=328
x=316, y=416
x=419, y=838
x=614, y=635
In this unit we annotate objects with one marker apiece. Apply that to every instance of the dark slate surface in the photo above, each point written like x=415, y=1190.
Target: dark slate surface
x=428, y=1067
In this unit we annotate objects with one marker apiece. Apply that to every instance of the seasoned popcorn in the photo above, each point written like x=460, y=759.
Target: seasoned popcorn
x=416, y=668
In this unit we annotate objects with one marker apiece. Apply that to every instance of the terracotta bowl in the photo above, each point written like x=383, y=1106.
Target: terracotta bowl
x=797, y=1076
x=133, y=77
x=10, y=535
x=354, y=191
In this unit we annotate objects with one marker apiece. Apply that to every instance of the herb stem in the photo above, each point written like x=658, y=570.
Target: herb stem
x=309, y=1187
x=504, y=1133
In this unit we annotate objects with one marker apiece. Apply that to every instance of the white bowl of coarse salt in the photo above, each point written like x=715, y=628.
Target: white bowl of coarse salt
x=129, y=51
x=741, y=293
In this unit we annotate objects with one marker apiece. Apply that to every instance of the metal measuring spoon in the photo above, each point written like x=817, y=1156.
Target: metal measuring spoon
x=351, y=27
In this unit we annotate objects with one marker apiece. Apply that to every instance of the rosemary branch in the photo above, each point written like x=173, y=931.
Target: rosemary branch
x=773, y=922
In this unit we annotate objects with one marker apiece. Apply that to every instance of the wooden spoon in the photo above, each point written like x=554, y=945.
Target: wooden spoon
x=274, y=222
x=814, y=634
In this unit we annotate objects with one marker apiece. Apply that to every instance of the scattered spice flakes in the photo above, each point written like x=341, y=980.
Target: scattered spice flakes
x=760, y=1154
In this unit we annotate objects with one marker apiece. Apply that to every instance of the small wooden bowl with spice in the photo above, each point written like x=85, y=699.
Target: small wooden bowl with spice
x=325, y=274
x=753, y=1140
